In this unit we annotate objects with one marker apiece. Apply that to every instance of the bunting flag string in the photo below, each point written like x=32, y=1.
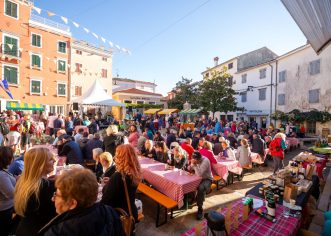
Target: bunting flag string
x=64, y=19
x=77, y=25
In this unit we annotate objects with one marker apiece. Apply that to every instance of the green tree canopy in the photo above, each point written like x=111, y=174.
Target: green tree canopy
x=216, y=94
x=185, y=91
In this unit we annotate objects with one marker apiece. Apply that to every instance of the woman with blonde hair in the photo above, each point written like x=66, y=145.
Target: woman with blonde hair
x=228, y=153
x=97, y=168
x=243, y=154
x=148, y=149
x=112, y=140
x=33, y=192
x=178, y=158
x=129, y=173
x=108, y=165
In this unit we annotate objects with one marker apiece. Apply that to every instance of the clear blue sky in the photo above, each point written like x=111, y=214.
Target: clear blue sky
x=175, y=38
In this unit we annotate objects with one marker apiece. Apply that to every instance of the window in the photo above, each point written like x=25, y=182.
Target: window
x=35, y=61
x=140, y=102
x=262, y=94
x=10, y=46
x=11, y=9
x=106, y=90
x=263, y=73
x=56, y=109
x=282, y=76
x=281, y=99
x=244, y=78
x=35, y=87
x=78, y=90
x=104, y=73
x=36, y=40
x=314, y=96
x=230, y=81
x=244, y=97
x=79, y=52
x=314, y=67
x=151, y=103
x=78, y=68
x=142, y=86
x=61, y=89
x=127, y=101
x=104, y=58
x=11, y=74
x=61, y=65
x=230, y=65
x=62, y=47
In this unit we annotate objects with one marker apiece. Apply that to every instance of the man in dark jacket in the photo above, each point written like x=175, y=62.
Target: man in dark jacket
x=69, y=148
x=93, y=127
x=258, y=145
x=91, y=144
x=171, y=138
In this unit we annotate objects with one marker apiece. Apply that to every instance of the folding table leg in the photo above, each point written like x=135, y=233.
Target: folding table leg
x=157, y=215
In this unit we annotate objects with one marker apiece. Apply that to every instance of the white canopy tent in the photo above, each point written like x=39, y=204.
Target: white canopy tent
x=96, y=95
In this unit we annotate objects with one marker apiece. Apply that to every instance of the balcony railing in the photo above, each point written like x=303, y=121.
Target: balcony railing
x=13, y=52
x=50, y=23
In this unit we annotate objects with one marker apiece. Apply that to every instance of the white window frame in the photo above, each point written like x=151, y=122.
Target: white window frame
x=282, y=81
x=41, y=40
x=57, y=89
x=18, y=9
x=283, y=94
x=152, y=103
x=143, y=102
x=244, y=76
x=58, y=48
x=265, y=73
x=12, y=36
x=57, y=65
x=41, y=61
x=41, y=87
x=18, y=73
x=312, y=63
x=265, y=95
x=319, y=96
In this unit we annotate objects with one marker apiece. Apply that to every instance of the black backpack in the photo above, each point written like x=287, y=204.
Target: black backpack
x=4, y=128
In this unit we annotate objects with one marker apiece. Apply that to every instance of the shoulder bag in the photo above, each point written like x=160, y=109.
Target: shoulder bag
x=128, y=222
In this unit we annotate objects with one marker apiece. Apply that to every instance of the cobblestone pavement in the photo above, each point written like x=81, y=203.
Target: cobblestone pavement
x=185, y=220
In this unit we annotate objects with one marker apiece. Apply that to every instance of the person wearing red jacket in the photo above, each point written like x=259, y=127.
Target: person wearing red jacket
x=187, y=146
x=276, y=148
x=207, y=151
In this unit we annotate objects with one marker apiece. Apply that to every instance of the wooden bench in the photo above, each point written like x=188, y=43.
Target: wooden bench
x=160, y=199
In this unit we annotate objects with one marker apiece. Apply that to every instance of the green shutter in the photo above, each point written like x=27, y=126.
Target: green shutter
x=35, y=60
x=36, y=40
x=61, y=89
x=10, y=51
x=11, y=9
x=10, y=74
x=61, y=65
x=34, y=87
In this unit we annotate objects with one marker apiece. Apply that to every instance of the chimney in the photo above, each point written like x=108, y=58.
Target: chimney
x=216, y=61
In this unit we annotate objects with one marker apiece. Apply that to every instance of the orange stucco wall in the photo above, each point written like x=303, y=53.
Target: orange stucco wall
x=48, y=73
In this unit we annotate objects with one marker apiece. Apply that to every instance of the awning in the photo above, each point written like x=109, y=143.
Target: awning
x=151, y=111
x=190, y=111
x=24, y=106
x=168, y=111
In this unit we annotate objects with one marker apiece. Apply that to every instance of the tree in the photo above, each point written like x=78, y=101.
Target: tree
x=185, y=91
x=216, y=93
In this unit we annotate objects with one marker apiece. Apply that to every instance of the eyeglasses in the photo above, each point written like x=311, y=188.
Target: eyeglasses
x=55, y=194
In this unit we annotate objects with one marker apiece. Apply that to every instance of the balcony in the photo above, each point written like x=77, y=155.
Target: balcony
x=49, y=24
x=11, y=53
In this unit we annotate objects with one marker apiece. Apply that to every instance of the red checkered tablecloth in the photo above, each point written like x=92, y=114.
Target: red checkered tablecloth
x=256, y=225
x=223, y=167
x=172, y=183
x=292, y=142
x=52, y=149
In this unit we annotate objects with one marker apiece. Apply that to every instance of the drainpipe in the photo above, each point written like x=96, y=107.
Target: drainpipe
x=276, y=87
x=271, y=85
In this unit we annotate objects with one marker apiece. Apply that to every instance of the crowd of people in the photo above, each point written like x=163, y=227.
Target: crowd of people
x=66, y=204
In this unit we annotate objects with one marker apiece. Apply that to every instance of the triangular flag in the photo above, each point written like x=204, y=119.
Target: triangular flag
x=30, y=53
x=61, y=62
x=5, y=86
x=10, y=46
x=69, y=65
x=20, y=49
x=49, y=13
x=103, y=39
x=90, y=73
x=47, y=58
x=65, y=19
x=95, y=35
x=118, y=47
x=75, y=24
x=54, y=60
x=111, y=44
x=86, y=30
x=38, y=10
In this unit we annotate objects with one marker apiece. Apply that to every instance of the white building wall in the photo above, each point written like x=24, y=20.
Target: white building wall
x=299, y=81
x=92, y=65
